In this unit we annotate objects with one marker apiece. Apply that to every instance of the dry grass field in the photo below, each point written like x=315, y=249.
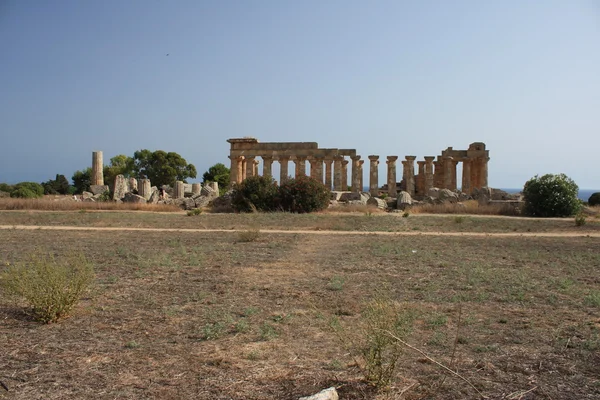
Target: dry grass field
x=246, y=313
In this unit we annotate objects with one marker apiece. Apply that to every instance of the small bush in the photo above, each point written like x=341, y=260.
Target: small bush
x=303, y=195
x=594, y=199
x=51, y=287
x=257, y=193
x=551, y=196
x=580, y=219
x=195, y=211
x=250, y=235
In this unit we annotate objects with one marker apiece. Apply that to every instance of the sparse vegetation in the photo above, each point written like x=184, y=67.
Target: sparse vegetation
x=194, y=212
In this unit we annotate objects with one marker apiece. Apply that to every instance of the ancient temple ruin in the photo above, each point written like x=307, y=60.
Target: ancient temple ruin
x=440, y=173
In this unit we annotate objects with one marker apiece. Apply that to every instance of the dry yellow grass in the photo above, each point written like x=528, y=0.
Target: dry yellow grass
x=466, y=207
x=52, y=203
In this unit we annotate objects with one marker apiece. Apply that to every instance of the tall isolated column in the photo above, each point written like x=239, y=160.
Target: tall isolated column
x=337, y=173
x=328, y=167
x=391, y=175
x=410, y=175
x=355, y=176
x=374, y=175
x=283, y=171
x=466, y=177
x=97, y=168
x=428, y=174
x=267, y=166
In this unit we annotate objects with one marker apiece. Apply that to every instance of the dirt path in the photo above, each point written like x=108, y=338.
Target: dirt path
x=306, y=232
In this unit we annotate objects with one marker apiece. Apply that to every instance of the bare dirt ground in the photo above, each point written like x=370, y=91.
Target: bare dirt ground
x=184, y=309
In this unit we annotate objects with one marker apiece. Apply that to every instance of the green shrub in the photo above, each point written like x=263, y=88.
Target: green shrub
x=551, y=196
x=27, y=190
x=257, y=193
x=195, y=211
x=594, y=199
x=303, y=195
x=5, y=187
x=580, y=219
x=51, y=287
x=60, y=185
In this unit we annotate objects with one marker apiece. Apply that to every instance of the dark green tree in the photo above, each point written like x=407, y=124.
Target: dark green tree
x=594, y=199
x=119, y=165
x=551, y=196
x=60, y=185
x=162, y=168
x=217, y=173
x=82, y=180
x=303, y=195
x=256, y=193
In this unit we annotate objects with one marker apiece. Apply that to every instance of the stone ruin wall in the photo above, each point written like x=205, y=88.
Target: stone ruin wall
x=330, y=166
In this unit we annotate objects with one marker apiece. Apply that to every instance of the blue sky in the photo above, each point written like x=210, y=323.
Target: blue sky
x=383, y=77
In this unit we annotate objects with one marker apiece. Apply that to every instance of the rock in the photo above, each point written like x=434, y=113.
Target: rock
x=447, y=196
x=404, y=201
x=377, y=202
x=428, y=200
x=154, y=197
x=187, y=203
x=144, y=188
x=434, y=193
x=327, y=394
x=133, y=185
x=89, y=200
x=208, y=191
x=214, y=186
x=223, y=203
x=349, y=196
x=133, y=198
x=99, y=189
x=121, y=187
x=335, y=195
x=202, y=201
x=87, y=195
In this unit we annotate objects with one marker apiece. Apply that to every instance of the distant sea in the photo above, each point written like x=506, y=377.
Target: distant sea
x=584, y=194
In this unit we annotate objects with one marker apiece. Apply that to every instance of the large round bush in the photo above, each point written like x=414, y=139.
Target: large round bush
x=594, y=199
x=257, y=193
x=27, y=190
x=551, y=196
x=303, y=195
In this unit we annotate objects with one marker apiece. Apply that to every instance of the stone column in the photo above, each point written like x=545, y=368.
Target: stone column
x=196, y=188
x=133, y=184
x=438, y=174
x=316, y=168
x=328, y=164
x=283, y=172
x=250, y=168
x=420, y=184
x=345, y=175
x=484, y=172
x=145, y=188
x=410, y=175
x=179, y=192
x=235, y=170
x=337, y=173
x=360, y=175
x=300, y=162
x=355, y=175
x=255, y=168
x=374, y=175
x=428, y=174
x=448, y=172
x=454, y=179
x=391, y=175
x=466, y=177
x=244, y=169
x=97, y=169
x=267, y=166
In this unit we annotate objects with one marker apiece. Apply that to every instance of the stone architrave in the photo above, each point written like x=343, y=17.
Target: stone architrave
x=410, y=175
x=250, y=167
x=121, y=187
x=429, y=177
x=267, y=166
x=448, y=165
x=196, y=188
x=283, y=171
x=374, y=175
x=420, y=184
x=466, y=177
x=328, y=167
x=300, y=162
x=97, y=169
x=391, y=175
x=145, y=188
x=360, y=175
x=344, y=175
x=355, y=174
x=179, y=192
x=337, y=173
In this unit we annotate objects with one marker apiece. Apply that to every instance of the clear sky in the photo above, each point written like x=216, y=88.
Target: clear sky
x=383, y=77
